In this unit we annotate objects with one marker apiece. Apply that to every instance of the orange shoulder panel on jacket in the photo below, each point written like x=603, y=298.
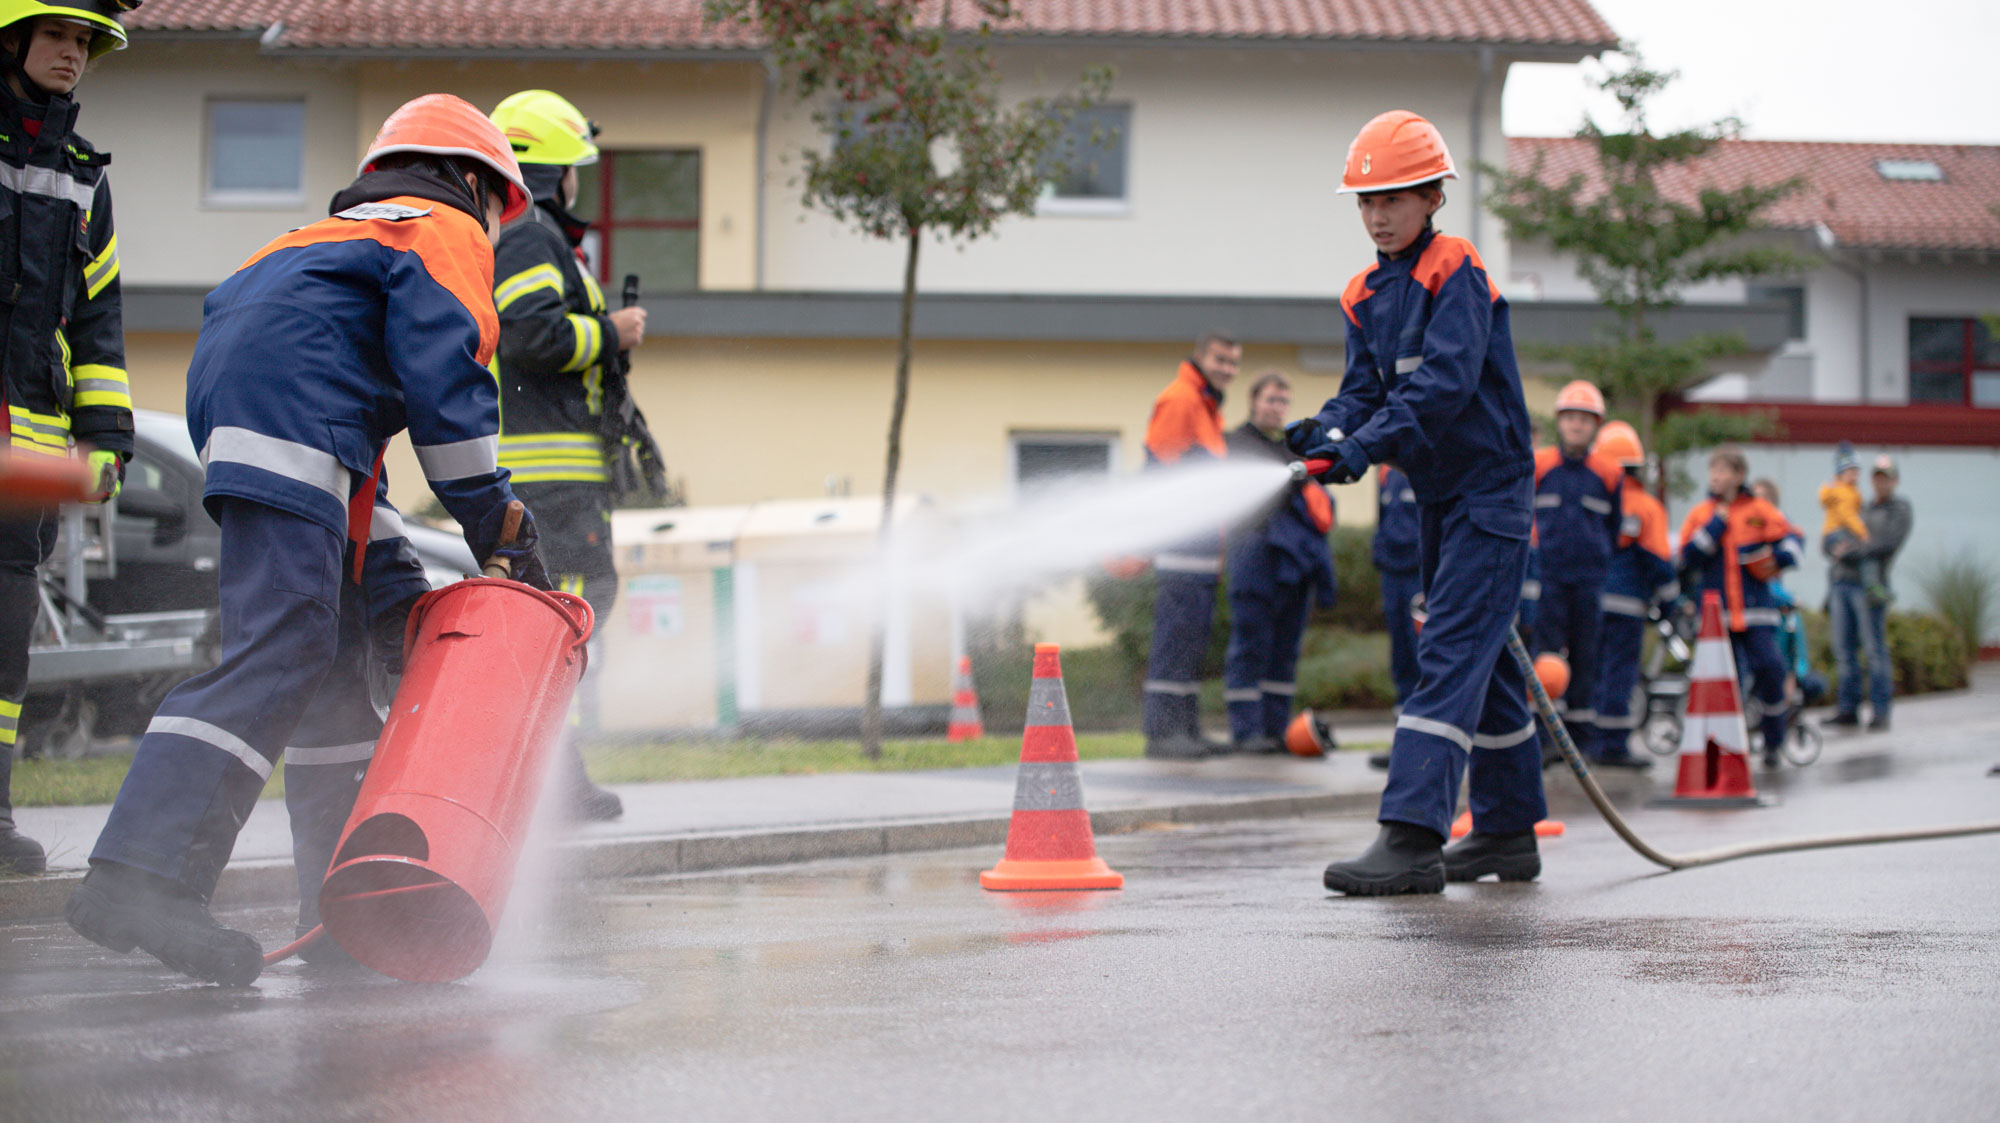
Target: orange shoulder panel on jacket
x=1442, y=258
x=1608, y=470
x=1356, y=292
x=1184, y=417
x=1757, y=522
x=1697, y=518
x=1652, y=521
x=1546, y=460
x=452, y=246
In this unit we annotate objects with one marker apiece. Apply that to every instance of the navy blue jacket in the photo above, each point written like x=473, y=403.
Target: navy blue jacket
x=1431, y=384
x=1396, y=523
x=1284, y=548
x=1577, y=515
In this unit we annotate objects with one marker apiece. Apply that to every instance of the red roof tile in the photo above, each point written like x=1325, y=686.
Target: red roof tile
x=1842, y=187
x=638, y=25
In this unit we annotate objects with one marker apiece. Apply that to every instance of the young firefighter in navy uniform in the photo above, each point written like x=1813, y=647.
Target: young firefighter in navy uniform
x=1431, y=387
x=1279, y=565
x=556, y=339
x=1577, y=516
x=64, y=360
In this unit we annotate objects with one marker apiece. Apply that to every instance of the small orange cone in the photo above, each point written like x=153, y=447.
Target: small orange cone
x=1715, y=758
x=1049, y=844
x=1547, y=828
x=966, y=724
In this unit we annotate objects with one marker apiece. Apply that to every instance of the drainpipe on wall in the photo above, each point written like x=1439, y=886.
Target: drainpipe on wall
x=763, y=139
x=1478, y=136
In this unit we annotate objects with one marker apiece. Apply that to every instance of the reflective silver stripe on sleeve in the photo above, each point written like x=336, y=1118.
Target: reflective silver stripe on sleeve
x=458, y=460
x=1240, y=695
x=1272, y=687
x=48, y=182
x=1435, y=728
x=1048, y=786
x=384, y=523
x=1701, y=541
x=1668, y=591
x=1162, y=686
x=1593, y=503
x=1409, y=363
x=1187, y=563
x=329, y=754
x=216, y=736
x=1618, y=604
x=1504, y=740
x=229, y=444
x=1047, y=704
x=1531, y=590
x=1761, y=617
x=1548, y=499
x=1620, y=721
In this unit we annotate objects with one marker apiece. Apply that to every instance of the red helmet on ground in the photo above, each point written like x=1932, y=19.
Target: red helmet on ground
x=1553, y=670
x=444, y=125
x=1620, y=442
x=1581, y=396
x=1309, y=736
x=1396, y=150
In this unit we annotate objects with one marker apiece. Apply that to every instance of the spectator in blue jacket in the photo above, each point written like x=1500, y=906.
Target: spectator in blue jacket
x=1279, y=564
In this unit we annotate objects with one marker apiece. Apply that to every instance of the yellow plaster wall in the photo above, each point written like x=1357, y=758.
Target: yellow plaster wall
x=708, y=105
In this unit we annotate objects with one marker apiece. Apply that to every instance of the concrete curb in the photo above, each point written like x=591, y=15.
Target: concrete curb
x=246, y=884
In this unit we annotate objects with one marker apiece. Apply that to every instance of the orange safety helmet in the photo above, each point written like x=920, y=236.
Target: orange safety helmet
x=1397, y=149
x=1581, y=396
x=1619, y=441
x=1553, y=671
x=444, y=125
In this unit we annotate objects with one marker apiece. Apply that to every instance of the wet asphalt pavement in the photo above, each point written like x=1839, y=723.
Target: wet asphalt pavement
x=1221, y=983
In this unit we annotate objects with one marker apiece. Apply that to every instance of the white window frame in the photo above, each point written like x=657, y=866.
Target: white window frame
x=214, y=198
x=1109, y=438
x=1058, y=206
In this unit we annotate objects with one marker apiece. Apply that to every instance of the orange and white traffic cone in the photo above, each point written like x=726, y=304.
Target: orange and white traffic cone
x=966, y=724
x=1715, y=757
x=1049, y=843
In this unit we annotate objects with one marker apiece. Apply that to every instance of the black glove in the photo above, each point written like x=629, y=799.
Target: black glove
x=523, y=563
x=385, y=635
x=1350, y=462
x=1303, y=435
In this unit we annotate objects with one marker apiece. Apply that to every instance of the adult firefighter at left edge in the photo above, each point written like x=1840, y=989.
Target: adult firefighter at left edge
x=561, y=373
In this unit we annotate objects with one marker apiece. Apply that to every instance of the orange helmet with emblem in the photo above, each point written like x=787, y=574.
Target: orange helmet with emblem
x=443, y=125
x=1581, y=396
x=1620, y=442
x=1397, y=149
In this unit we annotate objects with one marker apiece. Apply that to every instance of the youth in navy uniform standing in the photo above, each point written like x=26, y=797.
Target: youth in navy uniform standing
x=328, y=342
x=1431, y=387
x=1577, y=514
x=1279, y=564
x=62, y=370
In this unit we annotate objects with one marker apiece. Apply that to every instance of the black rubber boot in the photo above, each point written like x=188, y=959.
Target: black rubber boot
x=1258, y=746
x=19, y=854
x=1177, y=748
x=1379, y=761
x=121, y=908
x=1404, y=858
x=1512, y=856
x=588, y=803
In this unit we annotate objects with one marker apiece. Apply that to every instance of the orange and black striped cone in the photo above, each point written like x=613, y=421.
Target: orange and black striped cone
x=1049, y=843
x=966, y=724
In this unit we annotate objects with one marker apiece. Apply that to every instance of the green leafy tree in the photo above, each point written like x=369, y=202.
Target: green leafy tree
x=1639, y=248
x=919, y=143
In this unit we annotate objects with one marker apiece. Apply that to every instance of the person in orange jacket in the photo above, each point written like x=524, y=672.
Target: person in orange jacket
x=1186, y=428
x=1737, y=544
x=1641, y=575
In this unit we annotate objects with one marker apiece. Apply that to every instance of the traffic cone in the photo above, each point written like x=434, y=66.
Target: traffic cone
x=1049, y=844
x=966, y=724
x=1715, y=758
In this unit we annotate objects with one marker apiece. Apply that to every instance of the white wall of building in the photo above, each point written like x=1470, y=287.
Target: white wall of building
x=1950, y=492
x=1234, y=156
x=147, y=107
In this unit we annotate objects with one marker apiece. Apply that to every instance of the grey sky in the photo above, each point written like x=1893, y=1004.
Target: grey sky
x=1912, y=70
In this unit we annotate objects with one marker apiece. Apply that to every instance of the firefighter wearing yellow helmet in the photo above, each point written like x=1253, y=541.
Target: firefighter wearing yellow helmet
x=556, y=367
x=62, y=341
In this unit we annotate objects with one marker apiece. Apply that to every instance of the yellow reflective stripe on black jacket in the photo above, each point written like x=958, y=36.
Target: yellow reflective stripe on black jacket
x=553, y=457
x=554, y=342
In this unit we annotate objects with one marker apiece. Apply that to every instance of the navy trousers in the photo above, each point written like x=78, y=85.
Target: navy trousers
x=1621, y=643
x=1398, y=588
x=292, y=683
x=1183, y=612
x=1260, y=671
x=1567, y=623
x=1762, y=666
x=1471, y=699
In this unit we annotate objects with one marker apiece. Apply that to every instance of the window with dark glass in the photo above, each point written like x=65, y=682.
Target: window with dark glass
x=1043, y=459
x=256, y=152
x=644, y=208
x=1793, y=297
x=1954, y=361
x=1088, y=161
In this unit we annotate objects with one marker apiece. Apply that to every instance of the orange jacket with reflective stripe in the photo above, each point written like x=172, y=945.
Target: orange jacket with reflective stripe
x=1187, y=419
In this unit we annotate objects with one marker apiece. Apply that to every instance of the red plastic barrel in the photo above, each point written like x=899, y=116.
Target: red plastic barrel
x=423, y=868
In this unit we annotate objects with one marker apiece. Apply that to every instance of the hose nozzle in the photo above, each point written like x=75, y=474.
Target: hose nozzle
x=1298, y=470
